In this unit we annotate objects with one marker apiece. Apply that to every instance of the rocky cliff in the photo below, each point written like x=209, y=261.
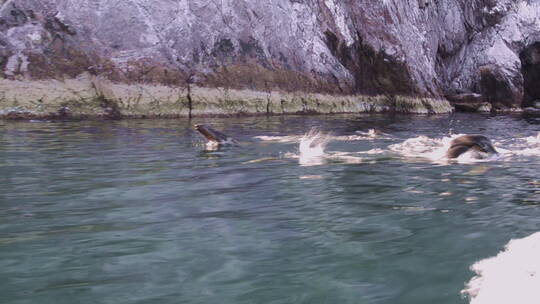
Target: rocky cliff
x=177, y=57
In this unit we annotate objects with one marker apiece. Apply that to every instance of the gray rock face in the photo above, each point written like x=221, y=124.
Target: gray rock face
x=425, y=48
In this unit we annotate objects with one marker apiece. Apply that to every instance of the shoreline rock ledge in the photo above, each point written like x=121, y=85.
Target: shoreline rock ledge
x=145, y=58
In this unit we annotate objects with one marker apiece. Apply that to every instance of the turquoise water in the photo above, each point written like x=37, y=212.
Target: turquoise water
x=137, y=211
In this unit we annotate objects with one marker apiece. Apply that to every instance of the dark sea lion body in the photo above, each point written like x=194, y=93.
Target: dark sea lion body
x=465, y=143
x=214, y=136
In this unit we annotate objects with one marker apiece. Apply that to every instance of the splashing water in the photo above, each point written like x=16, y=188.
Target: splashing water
x=534, y=140
x=434, y=149
x=513, y=276
x=212, y=146
x=423, y=147
x=312, y=147
x=312, y=150
x=313, y=144
x=530, y=146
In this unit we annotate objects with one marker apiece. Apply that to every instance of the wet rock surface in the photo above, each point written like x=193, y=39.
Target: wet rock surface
x=89, y=96
x=398, y=49
x=469, y=102
x=530, y=59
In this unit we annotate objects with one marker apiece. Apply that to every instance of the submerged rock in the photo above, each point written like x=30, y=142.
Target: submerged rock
x=416, y=50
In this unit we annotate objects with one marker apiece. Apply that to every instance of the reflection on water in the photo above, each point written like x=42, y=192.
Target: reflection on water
x=138, y=212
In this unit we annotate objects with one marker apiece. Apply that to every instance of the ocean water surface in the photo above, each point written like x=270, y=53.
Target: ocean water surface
x=138, y=211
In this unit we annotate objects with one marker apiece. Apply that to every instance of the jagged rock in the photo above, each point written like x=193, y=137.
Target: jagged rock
x=416, y=48
x=530, y=58
x=498, y=89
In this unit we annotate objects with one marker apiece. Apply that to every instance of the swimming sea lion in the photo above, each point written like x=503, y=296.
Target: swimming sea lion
x=465, y=143
x=215, y=138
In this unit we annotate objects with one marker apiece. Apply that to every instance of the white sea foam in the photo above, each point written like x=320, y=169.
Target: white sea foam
x=280, y=139
x=527, y=152
x=375, y=151
x=313, y=144
x=344, y=157
x=371, y=134
x=434, y=149
x=533, y=139
x=527, y=146
x=513, y=276
x=423, y=147
x=534, y=146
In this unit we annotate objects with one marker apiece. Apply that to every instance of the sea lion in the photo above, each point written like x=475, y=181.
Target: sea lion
x=215, y=138
x=465, y=143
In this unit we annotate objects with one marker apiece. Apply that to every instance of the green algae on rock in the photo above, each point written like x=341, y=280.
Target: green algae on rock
x=89, y=96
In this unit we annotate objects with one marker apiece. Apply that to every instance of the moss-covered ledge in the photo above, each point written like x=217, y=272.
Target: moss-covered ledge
x=92, y=97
